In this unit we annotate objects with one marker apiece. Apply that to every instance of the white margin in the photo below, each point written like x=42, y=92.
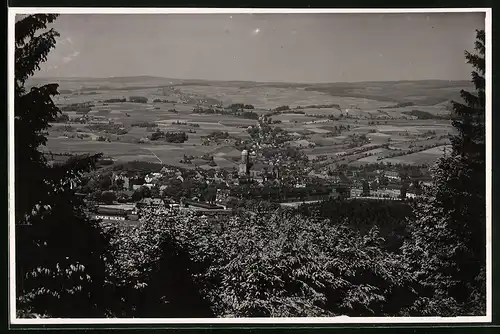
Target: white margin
x=10, y=159
x=489, y=133
x=88, y=10
x=12, y=11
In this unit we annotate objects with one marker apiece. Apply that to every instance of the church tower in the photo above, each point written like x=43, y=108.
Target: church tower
x=244, y=169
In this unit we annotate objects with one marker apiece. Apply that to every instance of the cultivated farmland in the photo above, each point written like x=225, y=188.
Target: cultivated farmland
x=330, y=120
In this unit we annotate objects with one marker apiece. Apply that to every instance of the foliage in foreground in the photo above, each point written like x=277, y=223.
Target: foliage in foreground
x=279, y=264
x=447, y=251
x=60, y=252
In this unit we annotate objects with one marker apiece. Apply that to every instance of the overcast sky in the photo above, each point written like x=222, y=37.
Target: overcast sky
x=265, y=47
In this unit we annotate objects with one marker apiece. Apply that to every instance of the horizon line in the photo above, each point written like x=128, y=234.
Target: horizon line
x=239, y=80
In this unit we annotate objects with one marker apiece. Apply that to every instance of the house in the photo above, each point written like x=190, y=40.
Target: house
x=150, y=202
x=222, y=195
x=116, y=213
x=392, y=175
x=258, y=169
x=152, y=177
x=206, y=209
x=350, y=173
x=135, y=182
x=167, y=171
x=121, y=177
x=356, y=192
x=341, y=190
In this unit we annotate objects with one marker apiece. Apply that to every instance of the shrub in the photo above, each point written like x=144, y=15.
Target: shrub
x=115, y=100
x=63, y=118
x=176, y=137
x=138, y=99
x=108, y=197
x=283, y=264
x=282, y=108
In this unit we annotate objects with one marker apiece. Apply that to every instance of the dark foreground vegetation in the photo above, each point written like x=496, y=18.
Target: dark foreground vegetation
x=424, y=258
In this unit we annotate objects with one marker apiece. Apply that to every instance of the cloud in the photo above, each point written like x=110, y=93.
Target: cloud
x=70, y=57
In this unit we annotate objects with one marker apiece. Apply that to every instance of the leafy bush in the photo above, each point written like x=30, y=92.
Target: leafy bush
x=107, y=197
x=163, y=101
x=145, y=124
x=63, y=118
x=249, y=115
x=422, y=114
x=282, y=108
x=151, y=275
x=284, y=264
x=138, y=99
x=85, y=106
x=108, y=128
x=115, y=100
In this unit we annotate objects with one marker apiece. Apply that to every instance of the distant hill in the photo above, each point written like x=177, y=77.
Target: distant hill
x=422, y=92
x=425, y=92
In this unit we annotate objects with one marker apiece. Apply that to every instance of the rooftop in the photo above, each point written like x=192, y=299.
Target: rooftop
x=203, y=205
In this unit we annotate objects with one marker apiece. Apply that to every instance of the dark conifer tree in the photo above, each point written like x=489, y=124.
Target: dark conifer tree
x=448, y=246
x=60, y=252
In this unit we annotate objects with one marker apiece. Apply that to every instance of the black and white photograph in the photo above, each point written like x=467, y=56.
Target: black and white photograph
x=210, y=166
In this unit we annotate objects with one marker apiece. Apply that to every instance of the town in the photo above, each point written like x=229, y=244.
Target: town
x=117, y=194
x=268, y=169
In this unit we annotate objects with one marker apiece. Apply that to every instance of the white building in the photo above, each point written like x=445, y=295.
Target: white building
x=105, y=217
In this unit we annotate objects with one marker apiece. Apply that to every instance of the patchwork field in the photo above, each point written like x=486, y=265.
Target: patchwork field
x=427, y=156
x=327, y=120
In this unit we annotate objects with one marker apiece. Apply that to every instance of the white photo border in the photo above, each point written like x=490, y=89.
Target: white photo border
x=13, y=11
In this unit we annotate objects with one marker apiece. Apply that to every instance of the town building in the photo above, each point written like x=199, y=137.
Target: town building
x=244, y=166
x=205, y=209
x=150, y=202
x=119, y=213
x=341, y=190
x=222, y=195
x=258, y=169
x=392, y=175
x=125, y=180
x=136, y=182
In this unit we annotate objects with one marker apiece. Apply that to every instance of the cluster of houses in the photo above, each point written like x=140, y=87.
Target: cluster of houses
x=135, y=182
x=349, y=184
x=130, y=213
